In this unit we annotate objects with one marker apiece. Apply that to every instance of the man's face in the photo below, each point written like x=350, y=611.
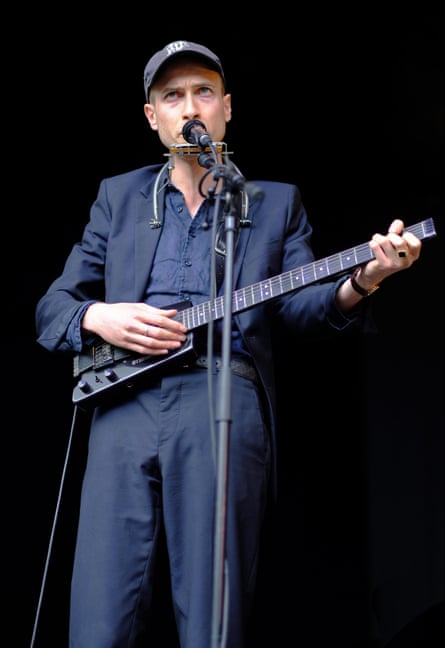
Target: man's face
x=185, y=90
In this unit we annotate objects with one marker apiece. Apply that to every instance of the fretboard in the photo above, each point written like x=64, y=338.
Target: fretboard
x=316, y=271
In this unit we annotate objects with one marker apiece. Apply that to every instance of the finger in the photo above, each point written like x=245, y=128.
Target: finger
x=163, y=335
x=164, y=321
x=412, y=241
x=397, y=226
x=387, y=248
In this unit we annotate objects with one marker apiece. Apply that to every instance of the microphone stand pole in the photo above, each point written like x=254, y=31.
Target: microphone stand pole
x=233, y=183
x=223, y=417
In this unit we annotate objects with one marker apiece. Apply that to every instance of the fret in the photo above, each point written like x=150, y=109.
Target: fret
x=265, y=290
x=296, y=279
x=348, y=259
x=364, y=253
x=289, y=282
x=213, y=311
x=321, y=269
x=308, y=273
x=256, y=293
x=191, y=312
x=240, y=299
x=334, y=264
x=219, y=307
x=251, y=291
x=201, y=314
x=182, y=317
x=208, y=313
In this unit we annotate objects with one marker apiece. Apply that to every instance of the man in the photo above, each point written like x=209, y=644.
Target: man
x=151, y=470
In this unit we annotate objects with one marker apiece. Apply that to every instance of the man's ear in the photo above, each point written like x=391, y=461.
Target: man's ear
x=151, y=116
x=228, y=107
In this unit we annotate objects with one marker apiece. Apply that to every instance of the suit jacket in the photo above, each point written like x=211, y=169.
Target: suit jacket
x=112, y=263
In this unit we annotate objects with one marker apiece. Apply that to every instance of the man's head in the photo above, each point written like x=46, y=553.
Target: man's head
x=175, y=50
x=185, y=81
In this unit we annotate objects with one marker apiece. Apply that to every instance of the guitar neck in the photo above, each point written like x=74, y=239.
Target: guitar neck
x=289, y=281
x=103, y=369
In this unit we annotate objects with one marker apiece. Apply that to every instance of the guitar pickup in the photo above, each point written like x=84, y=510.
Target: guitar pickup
x=103, y=355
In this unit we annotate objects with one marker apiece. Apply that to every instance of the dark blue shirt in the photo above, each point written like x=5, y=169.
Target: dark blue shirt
x=181, y=270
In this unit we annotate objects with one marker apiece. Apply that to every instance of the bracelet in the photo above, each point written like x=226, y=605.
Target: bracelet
x=358, y=288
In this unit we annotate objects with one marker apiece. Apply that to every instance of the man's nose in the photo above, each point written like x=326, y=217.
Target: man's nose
x=190, y=107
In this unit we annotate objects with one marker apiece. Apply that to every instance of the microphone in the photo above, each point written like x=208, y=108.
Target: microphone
x=194, y=132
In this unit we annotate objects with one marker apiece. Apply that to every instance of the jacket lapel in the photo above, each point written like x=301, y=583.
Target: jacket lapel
x=147, y=234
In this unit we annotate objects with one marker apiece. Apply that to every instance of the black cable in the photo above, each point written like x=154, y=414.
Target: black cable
x=53, y=529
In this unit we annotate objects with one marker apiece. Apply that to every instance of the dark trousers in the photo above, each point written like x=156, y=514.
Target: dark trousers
x=151, y=467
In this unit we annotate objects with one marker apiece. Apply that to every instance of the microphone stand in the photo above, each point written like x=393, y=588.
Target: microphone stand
x=232, y=184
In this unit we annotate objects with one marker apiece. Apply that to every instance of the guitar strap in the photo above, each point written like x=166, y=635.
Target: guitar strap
x=241, y=221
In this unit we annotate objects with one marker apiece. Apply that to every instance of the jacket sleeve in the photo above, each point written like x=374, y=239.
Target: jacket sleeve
x=59, y=312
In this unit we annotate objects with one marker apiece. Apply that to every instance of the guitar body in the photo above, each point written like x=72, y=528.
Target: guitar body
x=105, y=369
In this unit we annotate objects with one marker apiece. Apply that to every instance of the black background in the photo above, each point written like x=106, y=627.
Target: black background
x=350, y=107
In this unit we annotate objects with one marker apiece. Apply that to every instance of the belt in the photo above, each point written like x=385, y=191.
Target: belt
x=238, y=366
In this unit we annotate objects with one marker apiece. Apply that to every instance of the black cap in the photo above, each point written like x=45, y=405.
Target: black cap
x=175, y=49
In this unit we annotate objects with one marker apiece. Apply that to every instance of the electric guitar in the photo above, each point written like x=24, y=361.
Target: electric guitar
x=103, y=368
